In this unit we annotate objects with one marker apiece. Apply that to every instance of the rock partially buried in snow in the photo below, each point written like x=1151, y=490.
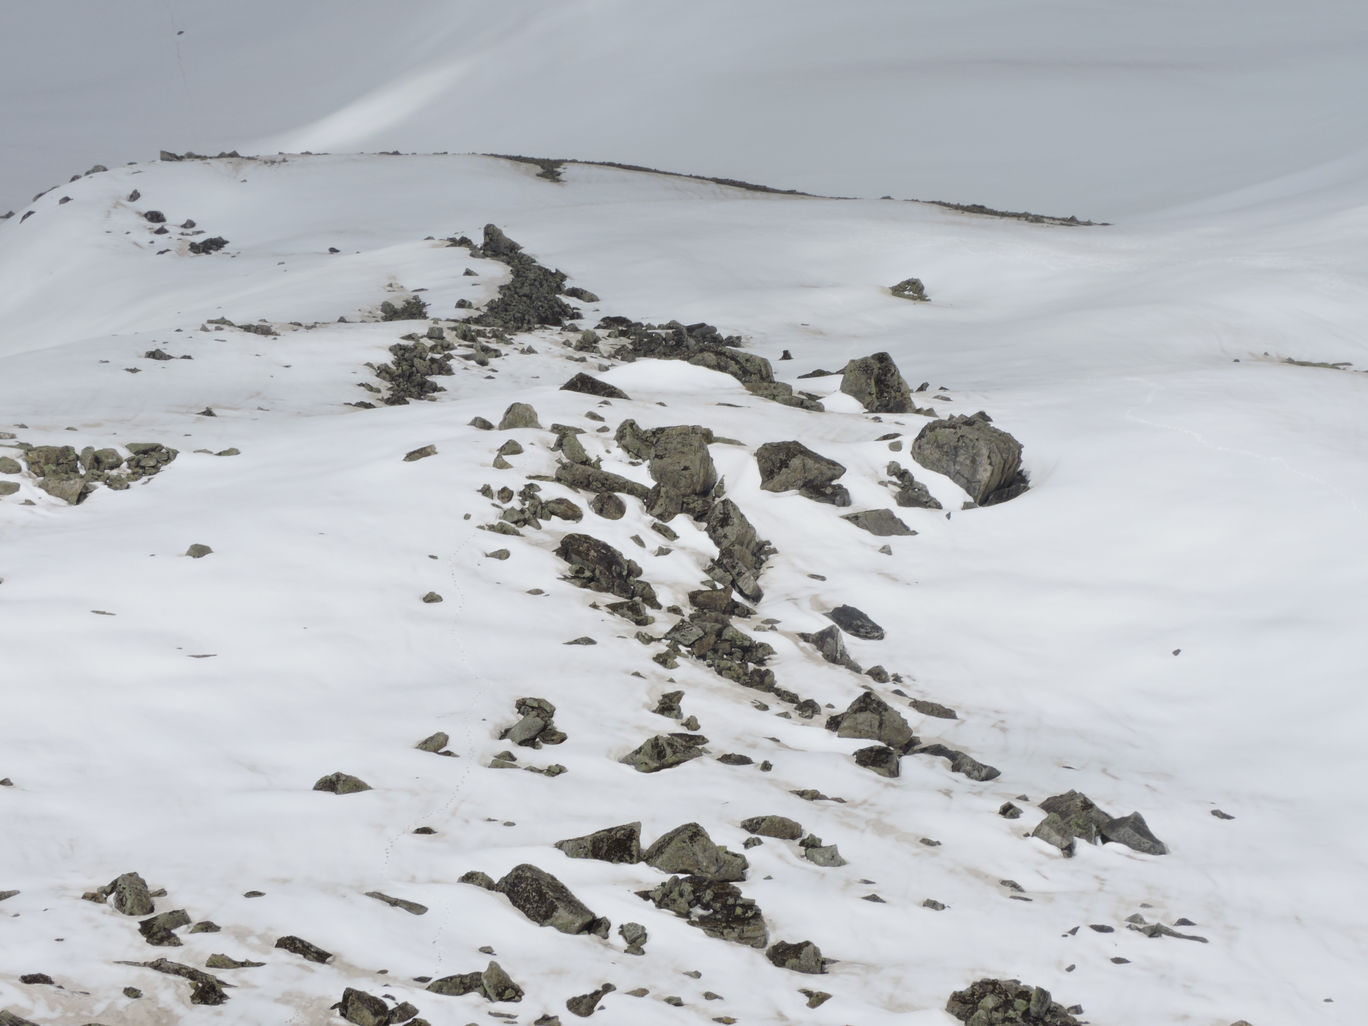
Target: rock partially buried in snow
x=876, y=384
x=341, y=783
x=989, y=1002
x=803, y=957
x=363, y=1009
x=1079, y=817
x=828, y=642
x=598, y=566
x=545, y=900
x=299, y=946
x=621, y=844
x=792, y=466
x=910, y=288
x=519, y=415
x=882, y=523
x=590, y=385
x=584, y=1005
x=982, y=459
x=781, y=827
x=870, y=717
x=855, y=623
x=689, y=850
x=665, y=751
x=198, y=551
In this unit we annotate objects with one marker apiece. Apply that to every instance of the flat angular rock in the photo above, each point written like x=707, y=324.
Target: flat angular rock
x=545, y=900
x=803, y=957
x=1054, y=831
x=828, y=642
x=618, y=844
x=910, y=288
x=876, y=384
x=688, y=849
x=363, y=1009
x=519, y=415
x=869, y=716
x=341, y=783
x=1081, y=817
x=299, y=946
x=608, y=506
x=979, y=457
x=457, y=984
x=1133, y=832
x=590, y=385
x=855, y=623
x=792, y=466
x=773, y=826
x=879, y=759
x=665, y=751
x=882, y=523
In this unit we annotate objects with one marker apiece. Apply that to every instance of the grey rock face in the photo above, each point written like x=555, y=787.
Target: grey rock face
x=363, y=1009
x=882, y=523
x=519, y=415
x=420, y=454
x=828, y=642
x=299, y=946
x=545, y=900
x=741, y=554
x=341, y=783
x=157, y=930
x=598, y=566
x=803, y=957
x=590, y=385
x=908, y=492
x=9, y=466
x=198, y=551
x=910, y=288
x=1054, y=831
x=718, y=909
x=584, y=1005
x=870, y=717
x=982, y=459
x=592, y=479
x=497, y=985
x=792, y=466
x=878, y=386
x=683, y=471
x=665, y=751
x=128, y=893
x=879, y=759
x=608, y=506
x=989, y=1002
x=536, y=727
x=1082, y=818
x=689, y=850
x=619, y=844
x=855, y=623
x=634, y=936
x=1133, y=832
x=773, y=826
x=961, y=762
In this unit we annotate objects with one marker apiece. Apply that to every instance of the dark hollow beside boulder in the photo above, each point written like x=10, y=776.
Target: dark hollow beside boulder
x=803, y=957
x=620, y=844
x=792, y=466
x=855, y=623
x=545, y=900
x=982, y=459
x=878, y=386
x=590, y=385
x=990, y=1002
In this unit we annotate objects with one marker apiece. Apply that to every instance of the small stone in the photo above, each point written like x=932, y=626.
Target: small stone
x=498, y=554
x=803, y=957
x=413, y=908
x=519, y=415
x=132, y=992
x=420, y=454
x=341, y=783
x=432, y=597
x=1009, y=811
x=198, y=551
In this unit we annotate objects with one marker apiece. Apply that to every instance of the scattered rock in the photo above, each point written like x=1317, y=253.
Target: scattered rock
x=688, y=849
x=1083, y=819
x=545, y=900
x=882, y=523
x=880, y=759
x=363, y=1009
x=608, y=506
x=910, y=288
x=782, y=827
x=989, y=1002
x=592, y=479
x=420, y=454
x=803, y=957
x=718, y=909
x=584, y=1004
x=537, y=726
x=619, y=844
x=634, y=936
x=220, y=961
x=1009, y=811
x=590, y=385
x=908, y=492
x=940, y=712
x=855, y=623
x=870, y=717
x=519, y=415
x=741, y=553
x=792, y=466
x=302, y=948
x=664, y=751
x=198, y=551
x=341, y=783
x=828, y=642
x=982, y=459
x=875, y=382
x=598, y=566
x=157, y=930
x=129, y=894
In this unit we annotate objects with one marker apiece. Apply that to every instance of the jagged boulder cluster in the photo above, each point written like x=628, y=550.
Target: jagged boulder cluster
x=1074, y=815
x=71, y=475
x=1008, y=1003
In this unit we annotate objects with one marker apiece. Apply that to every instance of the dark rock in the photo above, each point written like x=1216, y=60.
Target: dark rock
x=413, y=308
x=592, y=479
x=154, y=217
x=910, y=288
x=432, y=598
x=590, y=385
x=882, y=523
x=773, y=826
x=1133, y=832
x=828, y=642
x=855, y=623
x=210, y=245
x=728, y=652
x=1009, y=811
x=608, y=506
x=620, y=844
x=413, y=908
x=633, y=611
x=584, y=1005
x=302, y=948
x=688, y=849
x=457, y=984
x=36, y=979
x=420, y=454
x=989, y=1002
x=803, y=957
x=1055, y=831
x=531, y=297
x=741, y=554
x=341, y=783
x=410, y=372
x=562, y=509
x=157, y=930
x=792, y=466
x=634, y=936
x=1081, y=818
x=874, y=381
x=909, y=491
x=665, y=751
x=497, y=985
x=719, y=600
x=157, y=354
x=870, y=717
x=363, y=1009
x=880, y=759
x=960, y=762
x=940, y=712
x=982, y=459
x=598, y=566
x=718, y=909
x=536, y=727
x=583, y=295
x=545, y=900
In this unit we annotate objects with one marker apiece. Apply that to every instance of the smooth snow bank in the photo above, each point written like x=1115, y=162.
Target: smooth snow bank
x=1108, y=109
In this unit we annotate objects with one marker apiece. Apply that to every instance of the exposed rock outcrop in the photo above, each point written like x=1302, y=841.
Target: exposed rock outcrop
x=792, y=466
x=982, y=459
x=878, y=386
x=598, y=566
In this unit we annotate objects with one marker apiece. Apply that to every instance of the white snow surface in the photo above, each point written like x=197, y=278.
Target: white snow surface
x=1170, y=620
x=1108, y=109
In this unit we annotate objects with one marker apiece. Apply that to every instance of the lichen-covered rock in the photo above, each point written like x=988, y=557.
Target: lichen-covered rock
x=592, y=479
x=598, y=566
x=129, y=894
x=634, y=936
x=882, y=523
x=1080, y=816
x=608, y=505
x=773, y=826
x=519, y=415
x=619, y=844
x=982, y=459
x=908, y=492
x=741, y=553
x=688, y=849
x=665, y=751
x=870, y=717
x=718, y=909
x=157, y=930
x=497, y=985
x=363, y=1009
x=910, y=288
x=990, y=1002
x=803, y=957
x=878, y=386
x=829, y=644
x=584, y=1005
x=1133, y=832
x=683, y=471
x=341, y=783
x=855, y=623
x=879, y=759
x=299, y=946
x=1054, y=831
x=9, y=466
x=537, y=726
x=411, y=369
x=545, y=900
x=719, y=601
x=792, y=466
x=590, y=385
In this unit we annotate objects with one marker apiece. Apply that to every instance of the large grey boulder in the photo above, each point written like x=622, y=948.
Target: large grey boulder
x=803, y=957
x=621, y=844
x=792, y=466
x=1081, y=818
x=688, y=849
x=665, y=751
x=590, y=385
x=545, y=900
x=982, y=459
x=878, y=386
x=683, y=471
x=519, y=415
x=869, y=716
x=598, y=566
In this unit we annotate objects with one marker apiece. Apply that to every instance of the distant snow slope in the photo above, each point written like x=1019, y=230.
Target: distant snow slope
x=1170, y=620
x=1107, y=109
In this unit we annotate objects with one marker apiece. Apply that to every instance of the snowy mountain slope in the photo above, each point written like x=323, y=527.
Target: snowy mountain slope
x=1190, y=495
x=1107, y=109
